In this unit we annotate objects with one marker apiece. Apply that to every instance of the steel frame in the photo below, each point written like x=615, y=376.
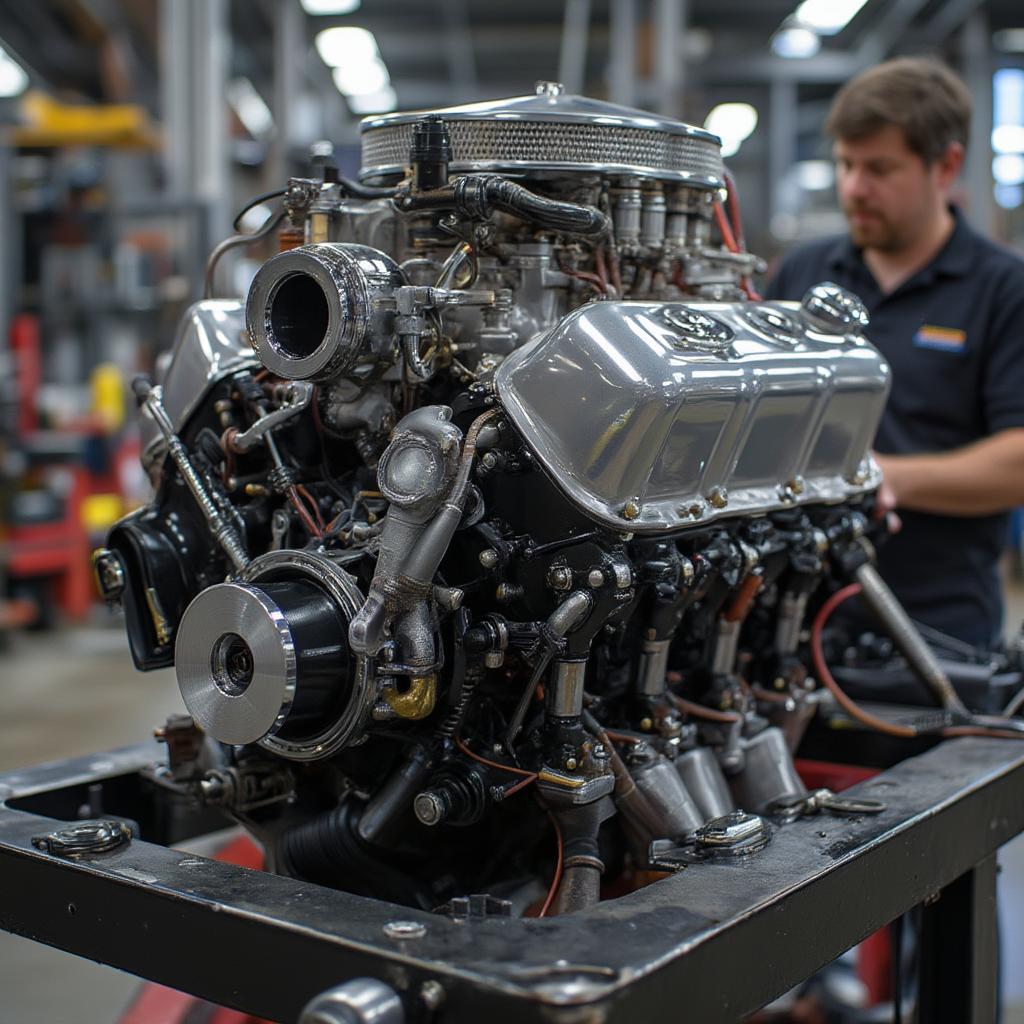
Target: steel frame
x=717, y=940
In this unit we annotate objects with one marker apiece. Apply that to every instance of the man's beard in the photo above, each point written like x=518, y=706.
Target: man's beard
x=877, y=232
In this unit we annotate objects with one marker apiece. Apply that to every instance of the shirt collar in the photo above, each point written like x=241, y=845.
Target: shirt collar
x=955, y=258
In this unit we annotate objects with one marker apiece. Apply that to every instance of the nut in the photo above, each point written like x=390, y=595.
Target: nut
x=559, y=577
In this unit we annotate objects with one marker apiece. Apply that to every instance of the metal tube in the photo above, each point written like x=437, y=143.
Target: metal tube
x=882, y=601
x=653, y=667
x=220, y=527
x=564, y=697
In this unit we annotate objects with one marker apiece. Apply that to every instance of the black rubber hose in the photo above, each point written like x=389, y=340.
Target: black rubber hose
x=478, y=196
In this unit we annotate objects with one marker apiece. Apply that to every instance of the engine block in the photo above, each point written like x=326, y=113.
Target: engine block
x=500, y=507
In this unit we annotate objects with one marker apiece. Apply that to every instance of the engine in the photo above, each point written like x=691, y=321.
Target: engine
x=488, y=529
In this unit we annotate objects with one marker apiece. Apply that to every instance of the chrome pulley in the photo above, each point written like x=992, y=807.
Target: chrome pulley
x=265, y=658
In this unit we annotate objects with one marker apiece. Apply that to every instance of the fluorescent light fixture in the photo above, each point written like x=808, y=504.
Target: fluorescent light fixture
x=1008, y=138
x=1009, y=197
x=345, y=44
x=1009, y=40
x=13, y=77
x=330, y=6
x=814, y=175
x=827, y=17
x=380, y=102
x=250, y=107
x=732, y=123
x=1008, y=96
x=1008, y=169
x=360, y=78
x=795, y=43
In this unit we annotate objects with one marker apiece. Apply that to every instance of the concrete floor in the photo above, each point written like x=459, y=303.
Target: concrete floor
x=76, y=692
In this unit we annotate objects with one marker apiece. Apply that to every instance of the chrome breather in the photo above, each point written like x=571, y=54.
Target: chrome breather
x=502, y=477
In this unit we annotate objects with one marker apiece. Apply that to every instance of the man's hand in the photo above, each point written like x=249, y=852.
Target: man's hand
x=979, y=479
x=885, y=498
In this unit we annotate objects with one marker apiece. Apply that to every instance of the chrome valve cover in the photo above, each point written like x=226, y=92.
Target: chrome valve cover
x=689, y=413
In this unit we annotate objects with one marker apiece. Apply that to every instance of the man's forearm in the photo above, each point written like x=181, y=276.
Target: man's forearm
x=979, y=479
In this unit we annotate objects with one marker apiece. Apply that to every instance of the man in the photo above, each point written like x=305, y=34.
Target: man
x=947, y=311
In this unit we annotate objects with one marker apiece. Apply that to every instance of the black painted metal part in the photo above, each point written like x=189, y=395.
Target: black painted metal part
x=714, y=941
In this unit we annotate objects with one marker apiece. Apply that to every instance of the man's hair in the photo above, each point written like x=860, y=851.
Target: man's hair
x=917, y=94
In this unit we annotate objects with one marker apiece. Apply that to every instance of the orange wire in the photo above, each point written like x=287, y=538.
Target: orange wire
x=493, y=764
x=853, y=709
x=557, y=880
x=313, y=506
x=700, y=711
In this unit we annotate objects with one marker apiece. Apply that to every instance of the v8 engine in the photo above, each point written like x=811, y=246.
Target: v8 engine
x=488, y=529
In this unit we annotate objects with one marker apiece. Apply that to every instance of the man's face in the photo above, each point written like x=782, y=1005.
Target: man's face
x=887, y=192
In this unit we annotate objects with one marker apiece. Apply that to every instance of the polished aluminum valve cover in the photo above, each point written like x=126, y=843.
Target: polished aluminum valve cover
x=663, y=415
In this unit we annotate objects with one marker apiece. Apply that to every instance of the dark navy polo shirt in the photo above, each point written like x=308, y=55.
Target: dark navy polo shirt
x=954, y=337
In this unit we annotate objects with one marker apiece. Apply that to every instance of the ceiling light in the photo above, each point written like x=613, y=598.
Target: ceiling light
x=814, y=175
x=1008, y=169
x=380, y=102
x=795, y=43
x=1009, y=40
x=1009, y=197
x=359, y=78
x=732, y=123
x=330, y=6
x=344, y=44
x=13, y=77
x=1008, y=138
x=250, y=107
x=827, y=17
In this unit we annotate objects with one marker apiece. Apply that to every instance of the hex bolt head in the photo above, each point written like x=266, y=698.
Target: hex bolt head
x=718, y=497
x=559, y=577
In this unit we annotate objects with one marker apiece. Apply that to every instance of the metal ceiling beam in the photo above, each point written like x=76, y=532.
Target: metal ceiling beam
x=949, y=18
x=572, y=57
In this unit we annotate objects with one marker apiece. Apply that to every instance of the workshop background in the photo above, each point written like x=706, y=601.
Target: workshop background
x=132, y=130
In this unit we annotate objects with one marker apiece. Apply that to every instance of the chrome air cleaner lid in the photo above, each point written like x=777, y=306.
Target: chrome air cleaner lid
x=551, y=131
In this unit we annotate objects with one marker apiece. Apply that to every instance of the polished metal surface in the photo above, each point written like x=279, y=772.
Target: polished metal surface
x=344, y=591
x=768, y=775
x=235, y=714
x=551, y=131
x=316, y=311
x=240, y=611
x=663, y=433
x=211, y=344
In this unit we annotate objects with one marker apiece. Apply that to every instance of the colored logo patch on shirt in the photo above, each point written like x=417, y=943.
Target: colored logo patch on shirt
x=944, y=339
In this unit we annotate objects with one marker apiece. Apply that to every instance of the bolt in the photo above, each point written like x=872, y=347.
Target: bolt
x=431, y=994
x=508, y=591
x=559, y=577
x=489, y=461
x=429, y=808
x=571, y=763
x=632, y=509
x=719, y=497
x=646, y=724
x=595, y=578
x=494, y=659
x=488, y=558
x=405, y=930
